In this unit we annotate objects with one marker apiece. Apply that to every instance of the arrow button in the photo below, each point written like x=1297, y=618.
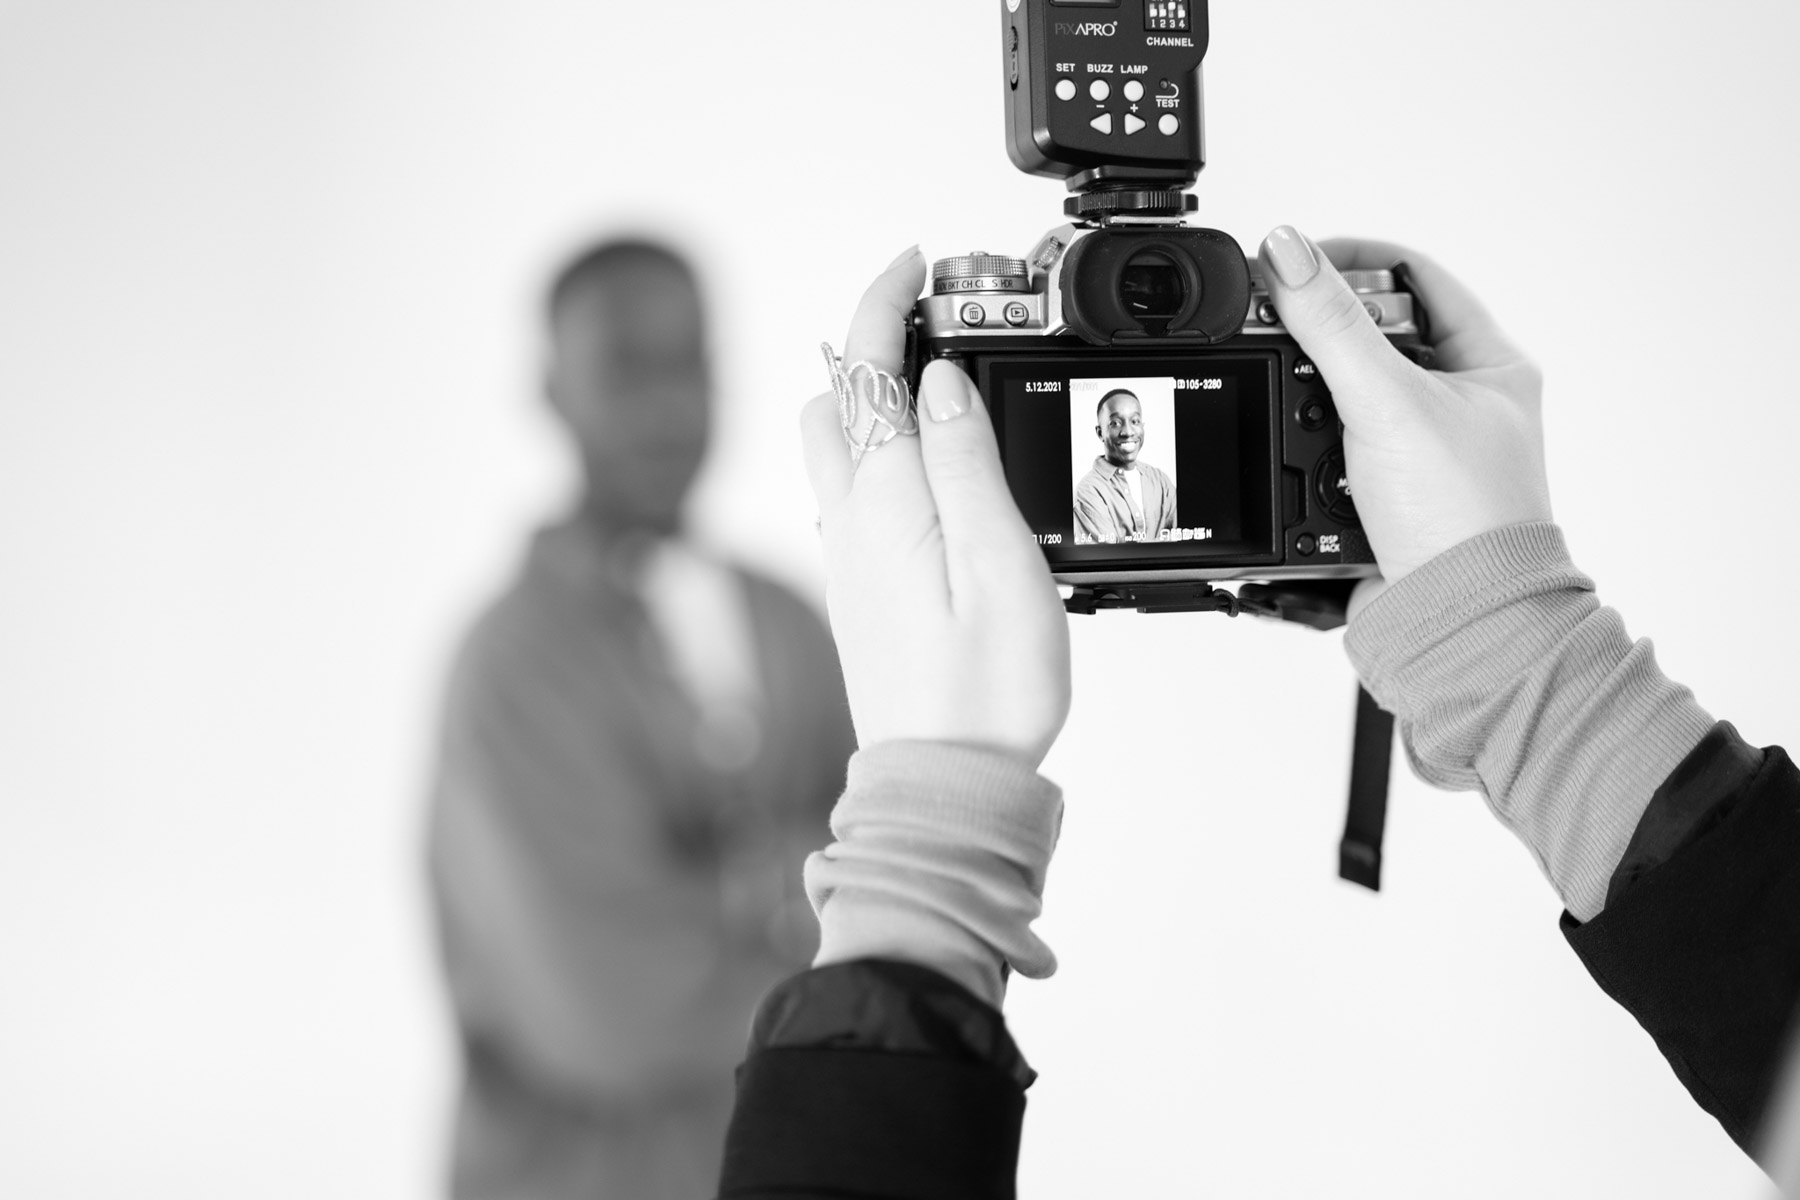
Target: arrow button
x=1103, y=122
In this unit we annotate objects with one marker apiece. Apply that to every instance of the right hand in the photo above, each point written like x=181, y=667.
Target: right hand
x=1435, y=457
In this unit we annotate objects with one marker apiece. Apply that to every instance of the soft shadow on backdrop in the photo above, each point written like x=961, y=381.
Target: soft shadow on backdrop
x=268, y=434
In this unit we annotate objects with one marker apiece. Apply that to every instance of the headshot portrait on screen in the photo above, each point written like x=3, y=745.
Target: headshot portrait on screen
x=1122, y=499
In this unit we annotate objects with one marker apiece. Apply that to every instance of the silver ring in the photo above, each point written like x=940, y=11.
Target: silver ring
x=874, y=406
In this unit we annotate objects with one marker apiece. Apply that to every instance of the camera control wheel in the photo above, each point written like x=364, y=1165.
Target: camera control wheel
x=979, y=272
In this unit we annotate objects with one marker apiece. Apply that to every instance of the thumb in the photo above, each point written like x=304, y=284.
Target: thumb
x=1329, y=321
x=976, y=511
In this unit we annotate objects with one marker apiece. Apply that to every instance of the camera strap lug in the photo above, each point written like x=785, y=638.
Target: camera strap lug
x=1318, y=604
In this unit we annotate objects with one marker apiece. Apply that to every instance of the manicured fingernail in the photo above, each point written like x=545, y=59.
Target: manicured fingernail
x=906, y=256
x=1292, y=259
x=949, y=398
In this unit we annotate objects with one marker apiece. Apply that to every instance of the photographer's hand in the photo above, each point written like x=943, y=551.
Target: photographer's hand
x=945, y=614
x=956, y=658
x=1435, y=457
x=1505, y=672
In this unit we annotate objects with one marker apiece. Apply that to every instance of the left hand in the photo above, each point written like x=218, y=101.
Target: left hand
x=946, y=618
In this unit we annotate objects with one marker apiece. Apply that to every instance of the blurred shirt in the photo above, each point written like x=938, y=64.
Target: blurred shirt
x=640, y=746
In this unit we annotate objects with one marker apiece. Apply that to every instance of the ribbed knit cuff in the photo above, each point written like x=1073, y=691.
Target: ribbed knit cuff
x=940, y=858
x=1507, y=675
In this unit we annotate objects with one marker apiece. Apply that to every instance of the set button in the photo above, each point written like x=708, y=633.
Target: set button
x=1065, y=89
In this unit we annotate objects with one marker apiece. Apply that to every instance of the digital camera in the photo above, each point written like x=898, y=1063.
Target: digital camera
x=1157, y=423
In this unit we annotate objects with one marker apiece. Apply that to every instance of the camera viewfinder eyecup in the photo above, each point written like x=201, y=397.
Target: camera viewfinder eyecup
x=1171, y=283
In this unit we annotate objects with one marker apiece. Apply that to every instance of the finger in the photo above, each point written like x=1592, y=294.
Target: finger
x=889, y=474
x=980, y=520
x=827, y=457
x=1464, y=333
x=878, y=330
x=1329, y=322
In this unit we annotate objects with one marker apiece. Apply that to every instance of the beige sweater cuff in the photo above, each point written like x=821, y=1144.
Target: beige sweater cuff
x=1507, y=676
x=940, y=858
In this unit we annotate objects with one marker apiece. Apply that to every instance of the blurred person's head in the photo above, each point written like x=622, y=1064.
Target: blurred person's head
x=1120, y=425
x=628, y=375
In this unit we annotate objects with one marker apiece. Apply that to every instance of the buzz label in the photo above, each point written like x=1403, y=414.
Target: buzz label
x=1328, y=544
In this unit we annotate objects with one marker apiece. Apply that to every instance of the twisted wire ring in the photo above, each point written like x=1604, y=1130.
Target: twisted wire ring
x=886, y=397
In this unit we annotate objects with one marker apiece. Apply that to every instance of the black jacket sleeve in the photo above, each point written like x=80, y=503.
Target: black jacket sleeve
x=880, y=1080
x=1700, y=937
x=876, y=1080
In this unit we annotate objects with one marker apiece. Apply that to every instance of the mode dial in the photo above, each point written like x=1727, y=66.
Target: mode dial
x=979, y=272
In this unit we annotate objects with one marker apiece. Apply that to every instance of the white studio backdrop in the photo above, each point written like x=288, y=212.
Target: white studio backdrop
x=268, y=435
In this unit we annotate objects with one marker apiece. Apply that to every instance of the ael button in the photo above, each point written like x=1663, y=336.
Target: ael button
x=1331, y=483
x=1304, y=370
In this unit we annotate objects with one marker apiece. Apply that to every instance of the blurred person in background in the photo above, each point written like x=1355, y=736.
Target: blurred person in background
x=641, y=742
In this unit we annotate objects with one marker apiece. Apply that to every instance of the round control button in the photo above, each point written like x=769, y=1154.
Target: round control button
x=1315, y=414
x=1332, y=484
x=1306, y=543
x=1065, y=89
x=1099, y=89
x=1016, y=313
x=1169, y=124
x=973, y=314
x=1304, y=370
x=1134, y=91
x=1373, y=309
x=1265, y=312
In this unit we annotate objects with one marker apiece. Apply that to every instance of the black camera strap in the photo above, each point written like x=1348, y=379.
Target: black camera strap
x=1371, y=755
x=1318, y=604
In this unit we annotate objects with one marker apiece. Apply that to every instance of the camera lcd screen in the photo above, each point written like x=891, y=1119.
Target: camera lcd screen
x=1138, y=462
